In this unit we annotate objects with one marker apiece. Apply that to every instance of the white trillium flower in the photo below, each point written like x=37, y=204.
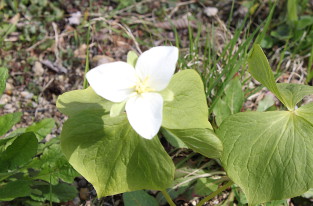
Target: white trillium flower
x=139, y=86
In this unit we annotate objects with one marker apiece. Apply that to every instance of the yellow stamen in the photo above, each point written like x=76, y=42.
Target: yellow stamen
x=142, y=86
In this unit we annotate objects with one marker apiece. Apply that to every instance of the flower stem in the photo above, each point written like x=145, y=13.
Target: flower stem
x=168, y=198
x=213, y=194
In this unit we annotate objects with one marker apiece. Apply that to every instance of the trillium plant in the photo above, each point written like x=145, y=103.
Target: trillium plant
x=112, y=134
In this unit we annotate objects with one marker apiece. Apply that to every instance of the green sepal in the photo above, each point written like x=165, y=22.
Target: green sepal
x=117, y=109
x=167, y=94
x=132, y=58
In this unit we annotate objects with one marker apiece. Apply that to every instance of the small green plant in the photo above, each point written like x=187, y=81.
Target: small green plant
x=32, y=170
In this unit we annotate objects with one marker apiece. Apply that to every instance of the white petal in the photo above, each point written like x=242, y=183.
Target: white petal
x=157, y=66
x=113, y=81
x=144, y=113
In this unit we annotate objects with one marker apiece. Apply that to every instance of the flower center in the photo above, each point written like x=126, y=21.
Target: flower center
x=142, y=87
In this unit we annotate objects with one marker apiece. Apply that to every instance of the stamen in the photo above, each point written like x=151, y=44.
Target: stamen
x=142, y=87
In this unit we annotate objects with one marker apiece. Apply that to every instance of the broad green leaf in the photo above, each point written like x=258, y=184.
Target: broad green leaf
x=200, y=140
x=260, y=69
x=139, y=198
x=11, y=190
x=294, y=93
x=5, y=142
x=173, y=139
x=189, y=108
x=288, y=94
x=269, y=154
x=112, y=156
x=306, y=112
x=41, y=129
x=42, y=147
x=221, y=111
x=53, y=166
x=8, y=121
x=3, y=77
x=231, y=103
x=205, y=186
x=132, y=58
x=234, y=95
x=59, y=193
x=78, y=101
x=19, y=152
x=266, y=102
x=117, y=109
x=304, y=21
